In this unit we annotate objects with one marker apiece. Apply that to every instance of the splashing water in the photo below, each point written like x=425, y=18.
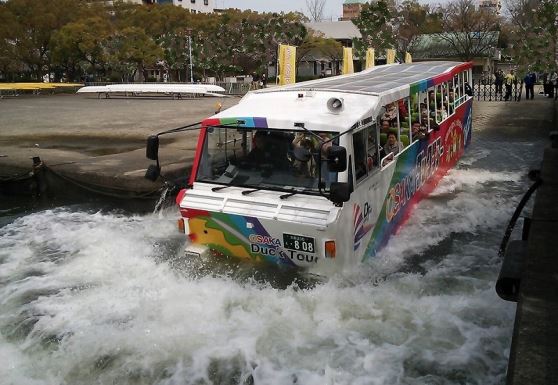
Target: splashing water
x=95, y=297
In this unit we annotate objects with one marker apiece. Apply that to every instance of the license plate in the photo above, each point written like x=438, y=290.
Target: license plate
x=299, y=243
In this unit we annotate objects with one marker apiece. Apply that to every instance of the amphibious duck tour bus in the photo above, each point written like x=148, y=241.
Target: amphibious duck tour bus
x=319, y=174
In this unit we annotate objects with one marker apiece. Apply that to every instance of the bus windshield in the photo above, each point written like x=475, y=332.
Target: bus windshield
x=283, y=160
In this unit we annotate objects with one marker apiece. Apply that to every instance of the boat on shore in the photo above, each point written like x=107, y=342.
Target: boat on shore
x=173, y=89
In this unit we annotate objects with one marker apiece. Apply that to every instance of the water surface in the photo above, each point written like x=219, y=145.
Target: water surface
x=94, y=296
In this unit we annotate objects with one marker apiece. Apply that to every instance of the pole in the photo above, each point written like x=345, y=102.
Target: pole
x=277, y=66
x=191, y=64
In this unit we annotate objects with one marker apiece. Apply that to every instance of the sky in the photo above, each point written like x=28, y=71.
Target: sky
x=333, y=8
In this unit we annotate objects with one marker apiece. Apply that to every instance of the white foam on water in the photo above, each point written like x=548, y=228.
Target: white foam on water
x=91, y=297
x=98, y=304
x=467, y=201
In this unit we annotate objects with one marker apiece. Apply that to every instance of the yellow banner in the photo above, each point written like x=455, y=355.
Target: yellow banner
x=348, y=67
x=287, y=64
x=408, y=58
x=370, y=58
x=390, y=56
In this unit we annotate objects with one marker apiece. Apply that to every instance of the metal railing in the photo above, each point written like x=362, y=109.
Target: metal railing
x=494, y=93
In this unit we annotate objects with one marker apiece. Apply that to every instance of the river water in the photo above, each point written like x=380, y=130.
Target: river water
x=94, y=296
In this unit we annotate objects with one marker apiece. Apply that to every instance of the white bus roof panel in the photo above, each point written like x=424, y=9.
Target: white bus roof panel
x=284, y=109
x=377, y=80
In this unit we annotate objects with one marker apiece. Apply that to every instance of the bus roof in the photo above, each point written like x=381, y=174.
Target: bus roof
x=362, y=94
x=377, y=80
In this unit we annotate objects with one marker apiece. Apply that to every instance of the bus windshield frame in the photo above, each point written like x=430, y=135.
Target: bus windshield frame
x=266, y=159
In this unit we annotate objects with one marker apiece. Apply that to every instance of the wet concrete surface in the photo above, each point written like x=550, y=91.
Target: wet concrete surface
x=99, y=141
x=534, y=350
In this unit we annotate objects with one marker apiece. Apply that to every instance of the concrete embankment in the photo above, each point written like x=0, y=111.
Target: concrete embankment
x=97, y=144
x=534, y=351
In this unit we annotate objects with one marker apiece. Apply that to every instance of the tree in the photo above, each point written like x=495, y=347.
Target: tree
x=270, y=31
x=74, y=37
x=35, y=23
x=469, y=32
x=8, y=62
x=376, y=25
x=80, y=47
x=534, y=23
x=316, y=9
x=132, y=51
x=316, y=46
x=415, y=19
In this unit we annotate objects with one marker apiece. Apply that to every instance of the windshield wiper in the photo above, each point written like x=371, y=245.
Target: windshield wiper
x=288, y=195
x=214, y=189
x=250, y=191
x=294, y=192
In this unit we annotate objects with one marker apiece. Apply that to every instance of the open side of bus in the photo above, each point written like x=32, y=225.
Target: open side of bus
x=302, y=176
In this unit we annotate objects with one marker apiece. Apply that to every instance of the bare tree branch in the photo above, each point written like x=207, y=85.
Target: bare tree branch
x=315, y=9
x=468, y=31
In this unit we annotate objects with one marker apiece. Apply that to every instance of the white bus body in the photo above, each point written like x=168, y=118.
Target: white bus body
x=262, y=185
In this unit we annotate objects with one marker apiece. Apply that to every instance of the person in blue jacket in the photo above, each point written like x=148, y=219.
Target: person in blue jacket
x=530, y=79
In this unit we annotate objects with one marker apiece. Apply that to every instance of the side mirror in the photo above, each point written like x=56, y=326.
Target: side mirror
x=337, y=159
x=152, y=173
x=152, y=148
x=339, y=192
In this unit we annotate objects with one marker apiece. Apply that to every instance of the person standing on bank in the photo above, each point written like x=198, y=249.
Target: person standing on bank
x=508, y=82
x=529, y=81
x=499, y=82
x=553, y=78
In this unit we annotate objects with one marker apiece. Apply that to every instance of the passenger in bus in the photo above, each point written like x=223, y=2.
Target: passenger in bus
x=303, y=149
x=392, y=146
x=418, y=131
x=403, y=112
x=260, y=152
x=372, y=151
x=385, y=126
x=327, y=176
x=431, y=100
x=391, y=113
x=423, y=109
x=441, y=113
x=468, y=89
x=428, y=121
x=451, y=101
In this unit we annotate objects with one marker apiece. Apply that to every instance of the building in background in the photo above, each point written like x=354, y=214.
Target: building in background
x=352, y=8
x=320, y=63
x=194, y=6
x=491, y=5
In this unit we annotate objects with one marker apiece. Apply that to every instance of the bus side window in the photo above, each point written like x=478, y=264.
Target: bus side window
x=467, y=82
x=462, y=86
x=454, y=95
x=446, y=97
x=404, y=122
x=372, y=151
x=431, y=107
x=439, y=112
x=423, y=110
x=360, y=157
